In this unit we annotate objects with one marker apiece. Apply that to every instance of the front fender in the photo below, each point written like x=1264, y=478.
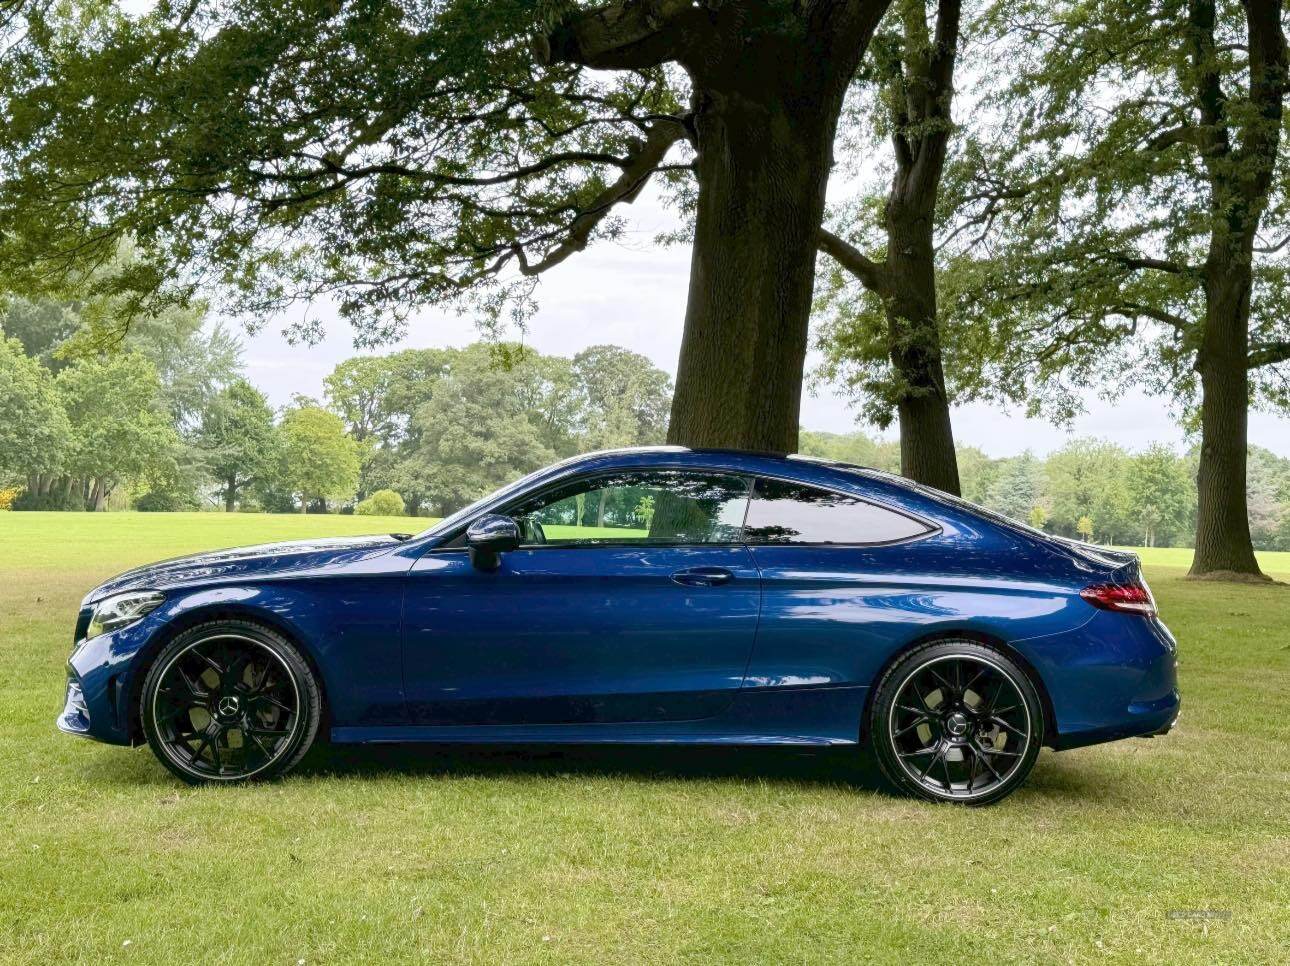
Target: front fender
x=348, y=633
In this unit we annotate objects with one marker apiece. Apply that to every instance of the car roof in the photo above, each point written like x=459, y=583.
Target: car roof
x=718, y=454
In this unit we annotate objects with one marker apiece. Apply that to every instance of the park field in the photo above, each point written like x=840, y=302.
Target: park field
x=1171, y=850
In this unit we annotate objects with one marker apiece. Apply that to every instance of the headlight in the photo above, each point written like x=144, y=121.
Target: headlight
x=113, y=613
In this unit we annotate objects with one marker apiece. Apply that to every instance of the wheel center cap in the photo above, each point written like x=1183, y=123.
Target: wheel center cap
x=228, y=706
x=957, y=724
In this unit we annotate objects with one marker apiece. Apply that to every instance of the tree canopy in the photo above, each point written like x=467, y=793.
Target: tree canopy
x=1132, y=200
x=390, y=156
x=319, y=462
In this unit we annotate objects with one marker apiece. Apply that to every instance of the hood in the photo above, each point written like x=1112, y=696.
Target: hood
x=290, y=558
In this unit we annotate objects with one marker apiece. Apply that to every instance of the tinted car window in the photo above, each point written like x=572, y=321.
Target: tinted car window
x=658, y=507
x=793, y=513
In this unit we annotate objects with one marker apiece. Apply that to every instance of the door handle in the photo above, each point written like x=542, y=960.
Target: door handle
x=702, y=576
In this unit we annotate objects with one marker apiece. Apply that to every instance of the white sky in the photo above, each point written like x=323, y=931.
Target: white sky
x=632, y=293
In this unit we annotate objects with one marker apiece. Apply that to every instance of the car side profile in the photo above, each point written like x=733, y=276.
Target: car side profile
x=659, y=595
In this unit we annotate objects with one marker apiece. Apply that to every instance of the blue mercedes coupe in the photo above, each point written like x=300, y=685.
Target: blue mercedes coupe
x=659, y=595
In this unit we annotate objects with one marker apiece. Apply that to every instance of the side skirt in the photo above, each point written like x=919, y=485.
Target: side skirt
x=817, y=717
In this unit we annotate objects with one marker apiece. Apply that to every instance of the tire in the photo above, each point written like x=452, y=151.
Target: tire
x=230, y=701
x=956, y=721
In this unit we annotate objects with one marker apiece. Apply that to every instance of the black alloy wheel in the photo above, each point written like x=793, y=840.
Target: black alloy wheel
x=229, y=701
x=957, y=721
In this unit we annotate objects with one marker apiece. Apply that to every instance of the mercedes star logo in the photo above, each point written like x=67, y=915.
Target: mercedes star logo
x=228, y=706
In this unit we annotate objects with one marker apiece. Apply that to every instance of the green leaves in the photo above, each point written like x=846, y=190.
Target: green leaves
x=318, y=460
x=35, y=434
x=386, y=155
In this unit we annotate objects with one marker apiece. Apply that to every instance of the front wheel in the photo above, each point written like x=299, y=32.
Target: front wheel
x=230, y=701
x=956, y=721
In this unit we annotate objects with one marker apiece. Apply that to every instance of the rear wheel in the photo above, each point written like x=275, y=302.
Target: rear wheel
x=230, y=701
x=957, y=721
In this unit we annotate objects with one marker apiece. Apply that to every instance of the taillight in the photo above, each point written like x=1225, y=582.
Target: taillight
x=1128, y=598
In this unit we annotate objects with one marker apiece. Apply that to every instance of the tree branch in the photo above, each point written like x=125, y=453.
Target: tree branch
x=1159, y=264
x=872, y=275
x=1133, y=310
x=625, y=188
x=1268, y=354
x=1183, y=134
x=629, y=34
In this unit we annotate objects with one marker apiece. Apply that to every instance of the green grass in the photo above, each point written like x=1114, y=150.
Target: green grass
x=632, y=856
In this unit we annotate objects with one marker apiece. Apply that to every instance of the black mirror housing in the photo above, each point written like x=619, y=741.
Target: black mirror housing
x=490, y=535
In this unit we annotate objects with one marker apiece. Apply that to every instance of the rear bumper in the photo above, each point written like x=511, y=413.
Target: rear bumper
x=1114, y=677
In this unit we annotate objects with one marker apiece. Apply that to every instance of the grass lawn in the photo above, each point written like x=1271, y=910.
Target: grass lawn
x=641, y=856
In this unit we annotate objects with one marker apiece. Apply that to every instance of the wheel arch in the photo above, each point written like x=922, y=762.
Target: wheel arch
x=979, y=637
x=206, y=614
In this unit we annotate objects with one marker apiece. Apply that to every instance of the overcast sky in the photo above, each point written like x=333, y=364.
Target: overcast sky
x=632, y=293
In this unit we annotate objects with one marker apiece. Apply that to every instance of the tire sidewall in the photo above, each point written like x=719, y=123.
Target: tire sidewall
x=302, y=678
x=894, y=679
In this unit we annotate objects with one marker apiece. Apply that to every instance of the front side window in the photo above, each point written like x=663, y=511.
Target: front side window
x=782, y=512
x=645, y=507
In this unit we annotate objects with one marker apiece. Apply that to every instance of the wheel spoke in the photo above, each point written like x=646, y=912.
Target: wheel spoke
x=1000, y=751
x=232, y=677
x=930, y=764
x=209, y=661
x=945, y=685
x=990, y=767
x=1003, y=724
x=975, y=678
x=922, y=698
x=268, y=732
x=910, y=727
x=276, y=703
x=247, y=732
x=192, y=684
x=998, y=690
x=929, y=750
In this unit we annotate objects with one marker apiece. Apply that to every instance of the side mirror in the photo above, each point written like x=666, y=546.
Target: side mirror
x=489, y=536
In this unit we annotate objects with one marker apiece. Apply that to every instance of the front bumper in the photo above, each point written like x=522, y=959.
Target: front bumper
x=75, y=716
x=99, y=683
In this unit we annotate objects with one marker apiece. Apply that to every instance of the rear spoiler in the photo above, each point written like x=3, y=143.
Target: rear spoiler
x=1124, y=563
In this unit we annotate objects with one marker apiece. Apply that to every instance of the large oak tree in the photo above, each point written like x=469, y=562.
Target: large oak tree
x=1135, y=202
x=391, y=156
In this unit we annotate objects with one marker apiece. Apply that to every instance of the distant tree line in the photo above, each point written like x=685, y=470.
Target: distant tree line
x=1093, y=490
x=165, y=420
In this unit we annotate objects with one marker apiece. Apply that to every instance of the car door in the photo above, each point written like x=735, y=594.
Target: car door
x=843, y=581
x=632, y=599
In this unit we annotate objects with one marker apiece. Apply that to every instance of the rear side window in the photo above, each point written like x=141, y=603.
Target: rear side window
x=783, y=512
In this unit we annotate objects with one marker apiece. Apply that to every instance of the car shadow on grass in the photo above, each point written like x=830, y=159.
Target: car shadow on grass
x=844, y=767
x=1053, y=780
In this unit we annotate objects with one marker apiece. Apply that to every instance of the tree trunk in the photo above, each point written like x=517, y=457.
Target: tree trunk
x=1222, y=519
x=230, y=495
x=914, y=340
x=99, y=495
x=768, y=81
x=763, y=165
